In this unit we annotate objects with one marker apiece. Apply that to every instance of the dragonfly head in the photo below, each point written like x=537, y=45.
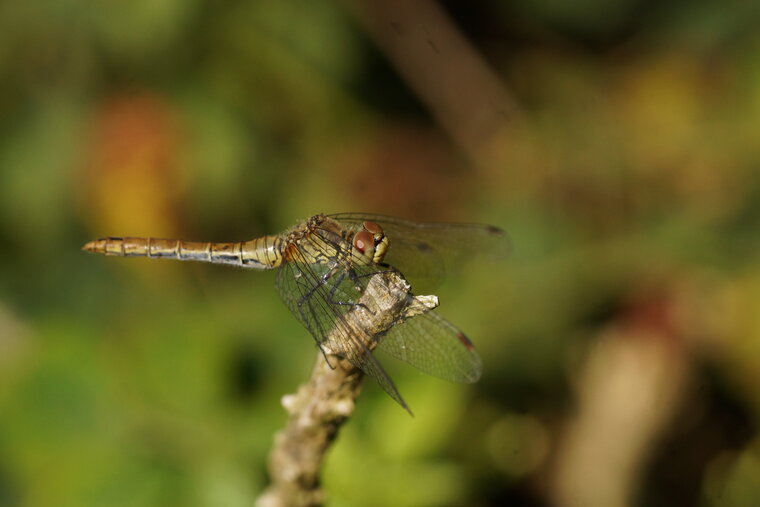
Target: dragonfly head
x=370, y=244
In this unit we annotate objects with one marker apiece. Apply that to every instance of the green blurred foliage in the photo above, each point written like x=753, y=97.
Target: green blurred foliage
x=633, y=179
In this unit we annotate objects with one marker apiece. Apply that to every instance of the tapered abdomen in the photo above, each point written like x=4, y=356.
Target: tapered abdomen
x=259, y=253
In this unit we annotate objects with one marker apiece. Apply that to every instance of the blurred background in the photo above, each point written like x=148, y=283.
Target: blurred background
x=617, y=141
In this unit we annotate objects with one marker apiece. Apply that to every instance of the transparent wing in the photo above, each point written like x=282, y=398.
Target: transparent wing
x=316, y=303
x=424, y=252
x=433, y=345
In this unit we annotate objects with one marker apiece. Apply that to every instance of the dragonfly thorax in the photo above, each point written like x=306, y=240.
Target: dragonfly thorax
x=323, y=240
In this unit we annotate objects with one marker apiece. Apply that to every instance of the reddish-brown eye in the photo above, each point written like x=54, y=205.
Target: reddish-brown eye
x=363, y=240
x=373, y=228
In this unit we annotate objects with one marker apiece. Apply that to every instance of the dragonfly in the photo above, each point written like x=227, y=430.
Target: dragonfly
x=323, y=267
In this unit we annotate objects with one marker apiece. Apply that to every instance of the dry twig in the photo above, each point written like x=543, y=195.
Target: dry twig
x=324, y=403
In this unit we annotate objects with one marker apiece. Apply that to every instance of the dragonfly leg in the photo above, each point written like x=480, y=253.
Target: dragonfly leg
x=388, y=269
x=322, y=280
x=330, y=296
x=324, y=354
x=334, y=286
x=355, y=278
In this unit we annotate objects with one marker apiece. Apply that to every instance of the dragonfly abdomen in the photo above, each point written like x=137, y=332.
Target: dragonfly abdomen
x=259, y=253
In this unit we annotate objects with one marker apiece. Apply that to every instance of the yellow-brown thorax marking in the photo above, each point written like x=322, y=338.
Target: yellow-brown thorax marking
x=324, y=240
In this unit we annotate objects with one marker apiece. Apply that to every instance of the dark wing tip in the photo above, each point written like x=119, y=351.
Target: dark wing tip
x=424, y=247
x=473, y=375
x=465, y=341
x=500, y=242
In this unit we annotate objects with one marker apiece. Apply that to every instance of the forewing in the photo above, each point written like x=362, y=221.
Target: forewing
x=433, y=345
x=315, y=304
x=424, y=252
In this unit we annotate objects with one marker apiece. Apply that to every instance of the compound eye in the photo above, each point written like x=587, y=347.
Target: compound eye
x=373, y=228
x=363, y=241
